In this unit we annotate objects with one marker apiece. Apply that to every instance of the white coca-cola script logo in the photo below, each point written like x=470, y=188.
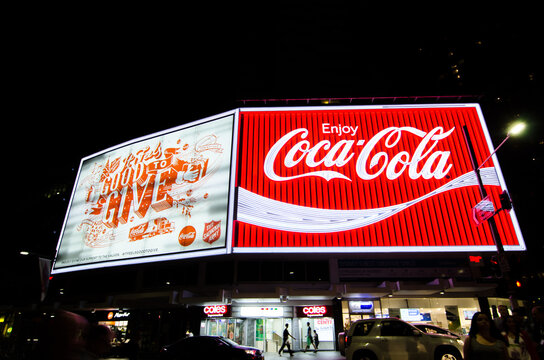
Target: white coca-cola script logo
x=435, y=163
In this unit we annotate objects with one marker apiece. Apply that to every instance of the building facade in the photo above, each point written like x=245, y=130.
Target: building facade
x=243, y=222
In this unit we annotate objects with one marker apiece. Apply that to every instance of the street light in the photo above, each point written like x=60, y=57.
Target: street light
x=44, y=264
x=501, y=256
x=514, y=130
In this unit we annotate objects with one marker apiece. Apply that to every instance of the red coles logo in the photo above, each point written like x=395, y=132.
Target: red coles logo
x=216, y=310
x=314, y=310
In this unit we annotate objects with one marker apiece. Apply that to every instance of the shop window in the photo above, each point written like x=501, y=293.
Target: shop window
x=272, y=271
x=220, y=272
x=190, y=274
x=283, y=271
x=294, y=271
x=363, y=328
x=173, y=274
x=248, y=271
x=317, y=271
x=396, y=328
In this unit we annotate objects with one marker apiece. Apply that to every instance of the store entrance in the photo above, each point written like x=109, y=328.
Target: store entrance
x=323, y=327
x=274, y=333
x=265, y=334
x=233, y=329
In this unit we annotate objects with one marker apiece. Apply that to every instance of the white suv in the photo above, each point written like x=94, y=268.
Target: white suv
x=379, y=339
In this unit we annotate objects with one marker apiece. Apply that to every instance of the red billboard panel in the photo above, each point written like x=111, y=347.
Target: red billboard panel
x=369, y=179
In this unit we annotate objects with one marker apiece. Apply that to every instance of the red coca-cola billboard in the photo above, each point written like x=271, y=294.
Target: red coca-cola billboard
x=368, y=179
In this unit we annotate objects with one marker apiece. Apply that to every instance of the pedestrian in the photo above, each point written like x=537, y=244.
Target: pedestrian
x=503, y=314
x=309, y=338
x=485, y=340
x=63, y=338
x=316, y=341
x=98, y=342
x=520, y=344
x=285, y=343
x=536, y=329
x=519, y=315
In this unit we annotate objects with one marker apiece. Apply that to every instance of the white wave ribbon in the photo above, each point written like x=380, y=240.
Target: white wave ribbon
x=261, y=211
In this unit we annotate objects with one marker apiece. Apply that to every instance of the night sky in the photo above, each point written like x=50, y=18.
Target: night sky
x=82, y=80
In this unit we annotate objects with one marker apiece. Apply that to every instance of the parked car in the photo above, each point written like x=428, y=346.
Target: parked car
x=394, y=339
x=342, y=342
x=433, y=329
x=209, y=347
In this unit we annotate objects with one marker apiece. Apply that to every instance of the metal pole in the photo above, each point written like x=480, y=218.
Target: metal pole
x=502, y=259
x=490, y=155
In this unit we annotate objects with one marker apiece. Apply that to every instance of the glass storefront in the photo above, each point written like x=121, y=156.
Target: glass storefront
x=118, y=322
x=265, y=334
x=324, y=327
x=263, y=326
x=454, y=314
x=233, y=329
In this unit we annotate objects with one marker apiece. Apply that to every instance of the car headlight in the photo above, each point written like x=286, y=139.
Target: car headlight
x=460, y=342
x=251, y=352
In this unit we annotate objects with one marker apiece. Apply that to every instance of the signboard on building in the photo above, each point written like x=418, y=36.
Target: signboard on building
x=360, y=307
x=483, y=210
x=314, y=311
x=221, y=310
x=118, y=315
x=365, y=179
x=161, y=197
x=261, y=311
x=309, y=179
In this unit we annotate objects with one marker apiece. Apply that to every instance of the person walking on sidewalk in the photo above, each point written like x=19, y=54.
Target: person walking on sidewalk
x=285, y=343
x=309, y=339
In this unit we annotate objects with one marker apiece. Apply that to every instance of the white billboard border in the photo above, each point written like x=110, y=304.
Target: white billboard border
x=171, y=256
x=394, y=249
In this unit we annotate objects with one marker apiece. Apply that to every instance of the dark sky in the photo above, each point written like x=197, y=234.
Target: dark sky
x=81, y=80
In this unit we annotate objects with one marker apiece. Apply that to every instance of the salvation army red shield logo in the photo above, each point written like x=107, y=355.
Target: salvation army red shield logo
x=212, y=231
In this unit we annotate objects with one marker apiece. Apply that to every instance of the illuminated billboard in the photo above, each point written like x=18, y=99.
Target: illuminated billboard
x=302, y=179
x=161, y=197
x=365, y=179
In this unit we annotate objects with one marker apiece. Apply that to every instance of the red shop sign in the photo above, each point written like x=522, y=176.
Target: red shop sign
x=314, y=311
x=217, y=311
x=369, y=179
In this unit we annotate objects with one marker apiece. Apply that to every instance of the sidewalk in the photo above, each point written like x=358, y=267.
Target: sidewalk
x=320, y=355
x=297, y=355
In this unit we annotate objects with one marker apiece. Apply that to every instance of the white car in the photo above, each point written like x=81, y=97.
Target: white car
x=342, y=343
x=433, y=329
x=394, y=339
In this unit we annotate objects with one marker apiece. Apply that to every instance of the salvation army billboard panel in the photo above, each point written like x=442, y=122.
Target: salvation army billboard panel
x=365, y=179
x=161, y=197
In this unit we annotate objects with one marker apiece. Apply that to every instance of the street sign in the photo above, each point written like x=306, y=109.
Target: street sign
x=483, y=210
